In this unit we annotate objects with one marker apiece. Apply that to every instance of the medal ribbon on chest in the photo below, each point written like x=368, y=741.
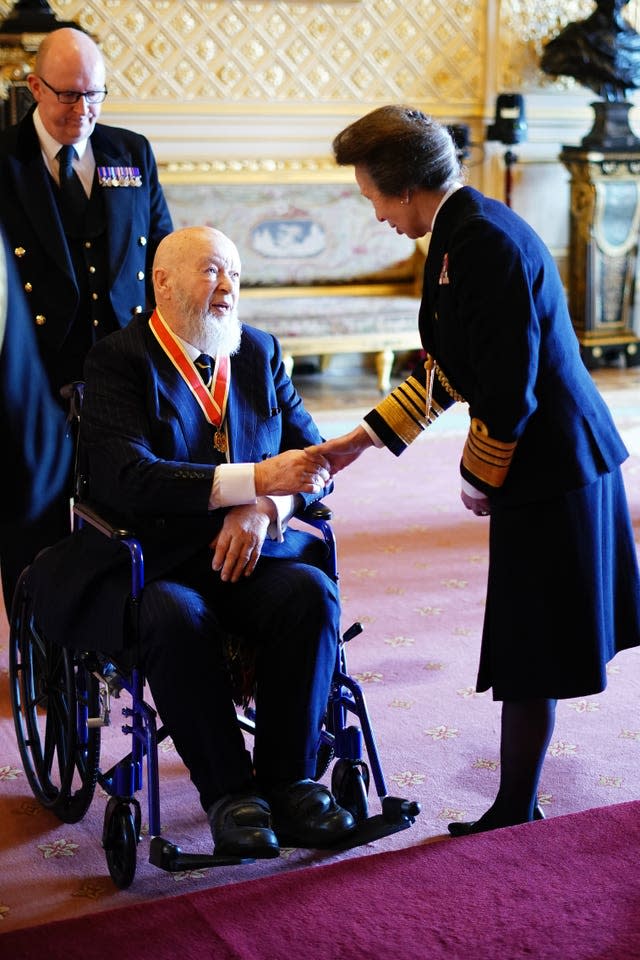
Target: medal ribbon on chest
x=213, y=400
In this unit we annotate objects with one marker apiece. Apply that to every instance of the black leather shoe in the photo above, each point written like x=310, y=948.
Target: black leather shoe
x=241, y=827
x=305, y=814
x=473, y=826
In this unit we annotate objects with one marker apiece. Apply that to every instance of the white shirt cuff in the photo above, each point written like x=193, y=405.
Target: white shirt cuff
x=285, y=506
x=234, y=484
x=471, y=491
x=375, y=439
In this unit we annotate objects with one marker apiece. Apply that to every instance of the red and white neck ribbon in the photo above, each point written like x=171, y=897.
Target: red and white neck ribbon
x=213, y=400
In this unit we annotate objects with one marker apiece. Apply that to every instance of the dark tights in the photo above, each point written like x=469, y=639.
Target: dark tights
x=526, y=729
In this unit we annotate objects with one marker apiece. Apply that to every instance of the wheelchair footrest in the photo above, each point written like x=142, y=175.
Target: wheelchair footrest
x=168, y=856
x=397, y=809
x=369, y=830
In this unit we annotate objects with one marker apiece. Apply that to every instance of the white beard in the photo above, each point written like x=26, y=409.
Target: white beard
x=224, y=337
x=209, y=333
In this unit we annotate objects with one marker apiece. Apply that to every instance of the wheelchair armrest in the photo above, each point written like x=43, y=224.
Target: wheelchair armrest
x=318, y=516
x=90, y=515
x=315, y=512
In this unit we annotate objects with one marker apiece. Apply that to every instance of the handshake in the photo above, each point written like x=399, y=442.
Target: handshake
x=310, y=470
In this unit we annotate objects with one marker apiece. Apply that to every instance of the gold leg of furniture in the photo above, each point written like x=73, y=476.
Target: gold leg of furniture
x=325, y=360
x=384, y=365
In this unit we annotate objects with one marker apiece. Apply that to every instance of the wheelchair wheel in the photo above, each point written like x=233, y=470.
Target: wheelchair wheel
x=120, y=839
x=350, y=787
x=52, y=695
x=325, y=755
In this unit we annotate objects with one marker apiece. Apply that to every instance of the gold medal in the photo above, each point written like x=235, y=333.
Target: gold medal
x=220, y=441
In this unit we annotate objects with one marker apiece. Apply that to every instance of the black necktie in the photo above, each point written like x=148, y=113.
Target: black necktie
x=204, y=363
x=72, y=196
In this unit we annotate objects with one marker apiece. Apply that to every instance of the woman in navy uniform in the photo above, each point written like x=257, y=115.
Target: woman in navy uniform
x=542, y=456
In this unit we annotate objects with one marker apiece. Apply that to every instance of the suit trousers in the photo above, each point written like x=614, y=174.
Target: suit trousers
x=290, y=611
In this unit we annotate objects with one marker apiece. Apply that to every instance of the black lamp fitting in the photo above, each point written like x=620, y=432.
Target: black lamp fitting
x=510, y=125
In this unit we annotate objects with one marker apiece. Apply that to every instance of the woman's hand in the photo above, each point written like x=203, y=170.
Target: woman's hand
x=341, y=451
x=481, y=506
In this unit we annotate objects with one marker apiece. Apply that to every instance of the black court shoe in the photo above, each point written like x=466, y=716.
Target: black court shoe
x=465, y=829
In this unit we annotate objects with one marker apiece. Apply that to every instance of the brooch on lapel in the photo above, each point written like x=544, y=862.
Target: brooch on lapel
x=444, y=274
x=119, y=177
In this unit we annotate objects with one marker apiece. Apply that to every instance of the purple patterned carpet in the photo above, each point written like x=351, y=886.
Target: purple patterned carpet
x=413, y=566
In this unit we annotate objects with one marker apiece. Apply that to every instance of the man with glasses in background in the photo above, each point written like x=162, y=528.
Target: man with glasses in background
x=84, y=212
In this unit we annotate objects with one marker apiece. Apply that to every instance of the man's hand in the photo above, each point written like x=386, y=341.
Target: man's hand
x=341, y=451
x=294, y=471
x=238, y=545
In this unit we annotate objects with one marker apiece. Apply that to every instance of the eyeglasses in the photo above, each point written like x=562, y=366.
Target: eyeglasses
x=72, y=96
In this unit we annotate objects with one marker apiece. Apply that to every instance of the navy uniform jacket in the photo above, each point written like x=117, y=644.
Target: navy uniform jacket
x=494, y=317
x=35, y=451
x=137, y=219
x=148, y=451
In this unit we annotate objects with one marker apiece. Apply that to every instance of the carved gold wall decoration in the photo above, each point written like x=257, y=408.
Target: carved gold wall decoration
x=430, y=52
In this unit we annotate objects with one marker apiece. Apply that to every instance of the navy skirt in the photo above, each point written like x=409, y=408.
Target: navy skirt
x=563, y=594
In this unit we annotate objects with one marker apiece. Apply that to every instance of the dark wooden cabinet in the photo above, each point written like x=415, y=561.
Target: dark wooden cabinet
x=603, y=253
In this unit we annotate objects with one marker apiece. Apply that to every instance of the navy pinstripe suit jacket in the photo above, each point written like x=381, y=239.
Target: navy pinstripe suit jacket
x=148, y=452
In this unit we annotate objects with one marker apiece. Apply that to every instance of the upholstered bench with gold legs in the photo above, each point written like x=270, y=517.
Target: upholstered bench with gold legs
x=318, y=270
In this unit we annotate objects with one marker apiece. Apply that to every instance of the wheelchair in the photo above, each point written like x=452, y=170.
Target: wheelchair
x=62, y=699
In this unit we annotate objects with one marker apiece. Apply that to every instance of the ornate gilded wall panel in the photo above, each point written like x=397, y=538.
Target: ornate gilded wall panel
x=430, y=52
x=234, y=52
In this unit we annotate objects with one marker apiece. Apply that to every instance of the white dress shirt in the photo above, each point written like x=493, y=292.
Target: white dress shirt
x=84, y=165
x=234, y=483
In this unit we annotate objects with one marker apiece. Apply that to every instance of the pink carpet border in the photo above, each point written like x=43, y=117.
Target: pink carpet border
x=567, y=888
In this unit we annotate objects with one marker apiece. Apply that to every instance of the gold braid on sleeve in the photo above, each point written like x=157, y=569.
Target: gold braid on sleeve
x=486, y=457
x=403, y=410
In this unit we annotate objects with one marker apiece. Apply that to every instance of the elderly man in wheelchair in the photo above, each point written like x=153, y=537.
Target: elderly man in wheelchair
x=193, y=436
